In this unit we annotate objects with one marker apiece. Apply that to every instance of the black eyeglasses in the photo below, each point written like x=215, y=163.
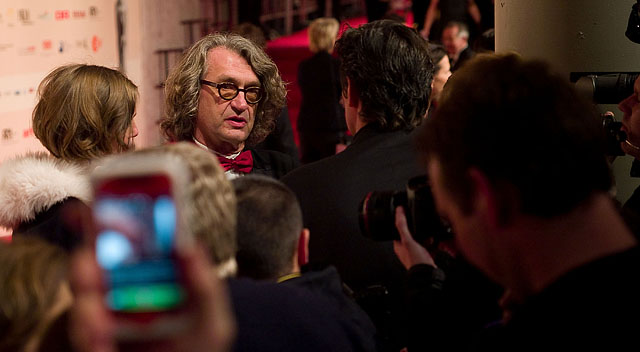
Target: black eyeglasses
x=228, y=91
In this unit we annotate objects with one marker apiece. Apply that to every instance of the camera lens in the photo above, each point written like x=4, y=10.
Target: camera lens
x=377, y=214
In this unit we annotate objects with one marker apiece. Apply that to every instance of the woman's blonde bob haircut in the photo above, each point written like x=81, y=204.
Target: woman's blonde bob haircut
x=209, y=203
x=182, y=88
x=322, y=34
x=84, y=112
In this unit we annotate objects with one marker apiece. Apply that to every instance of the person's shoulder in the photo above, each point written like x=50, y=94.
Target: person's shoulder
x=317, y=171
x=293, y=316
x=35, y=182
x=273, y=163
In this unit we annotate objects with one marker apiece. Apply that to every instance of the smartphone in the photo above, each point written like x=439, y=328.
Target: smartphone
x=139, y=235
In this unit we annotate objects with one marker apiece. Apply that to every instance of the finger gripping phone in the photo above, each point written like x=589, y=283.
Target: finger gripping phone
x=139, y=235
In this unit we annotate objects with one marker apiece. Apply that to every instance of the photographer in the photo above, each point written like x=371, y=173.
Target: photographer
x=521, y=175
x=631, y=146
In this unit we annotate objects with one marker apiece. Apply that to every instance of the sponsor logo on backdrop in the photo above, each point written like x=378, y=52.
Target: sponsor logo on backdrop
x=93, y=11
x=27, y=133
x=61, y=46
x=10, y=17
x=47, y=44
x=79, y=14
x=82, y=44
x=61, y=15
x=96, y=43
x=24, y=16
x=45, y=15
x=7, y=134
x=27, y=50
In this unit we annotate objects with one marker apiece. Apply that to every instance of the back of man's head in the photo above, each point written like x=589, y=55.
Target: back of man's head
x=269, y=226
x=388, y=65
x=525, y=128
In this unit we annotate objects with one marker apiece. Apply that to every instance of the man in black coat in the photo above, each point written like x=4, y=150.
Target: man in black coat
x=537, y=219
x=224, y=95
x=455, y=38
x=386, y=74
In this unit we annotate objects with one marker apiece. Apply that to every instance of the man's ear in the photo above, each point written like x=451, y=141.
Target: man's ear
x=353, y=95
x=485, y=200
x=303, y=247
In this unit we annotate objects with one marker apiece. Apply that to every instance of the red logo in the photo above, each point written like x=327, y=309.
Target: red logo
x=47, y=44
x=79, y=14
x=28, y=132
x=96, y=43
x=62, y=15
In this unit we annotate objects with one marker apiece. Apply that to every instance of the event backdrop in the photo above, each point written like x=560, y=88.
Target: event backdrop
x=35, y=37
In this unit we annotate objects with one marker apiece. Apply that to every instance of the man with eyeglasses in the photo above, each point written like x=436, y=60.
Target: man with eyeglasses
x=224, y=95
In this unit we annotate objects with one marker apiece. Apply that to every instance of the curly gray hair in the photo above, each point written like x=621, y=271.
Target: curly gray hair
x=182, y=88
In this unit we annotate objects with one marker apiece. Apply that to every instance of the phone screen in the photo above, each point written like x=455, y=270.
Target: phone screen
x=136, y=244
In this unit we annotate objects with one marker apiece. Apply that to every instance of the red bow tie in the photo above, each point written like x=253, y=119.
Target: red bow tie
x=242, y=163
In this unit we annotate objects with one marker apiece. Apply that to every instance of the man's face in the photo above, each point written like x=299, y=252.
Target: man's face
x=224, y=125
x=452, y=42
x=631, y=120
x=440, y=78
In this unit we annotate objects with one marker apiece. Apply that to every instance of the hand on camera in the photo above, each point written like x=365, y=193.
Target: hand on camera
x=407, y=249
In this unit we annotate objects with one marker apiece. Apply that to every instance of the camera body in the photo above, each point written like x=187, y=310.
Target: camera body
x=613, y=135
x=377, y=213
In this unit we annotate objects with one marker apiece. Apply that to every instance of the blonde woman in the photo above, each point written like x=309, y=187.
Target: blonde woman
x=321, y=124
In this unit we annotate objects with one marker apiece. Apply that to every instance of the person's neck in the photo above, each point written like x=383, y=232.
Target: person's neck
x=223, y=149
x=360, y=123
x=544, y=250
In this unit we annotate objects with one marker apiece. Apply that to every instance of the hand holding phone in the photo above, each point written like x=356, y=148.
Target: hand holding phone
x=144, y=283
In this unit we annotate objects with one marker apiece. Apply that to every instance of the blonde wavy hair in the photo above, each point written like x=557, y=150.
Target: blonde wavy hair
x=209, y=204
x=33, y=277
x=182, y=87
x=84, y=112
x=322, y=34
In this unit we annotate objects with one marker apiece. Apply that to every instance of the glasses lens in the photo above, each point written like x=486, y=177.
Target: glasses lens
x=227, y=90
x=253, y=95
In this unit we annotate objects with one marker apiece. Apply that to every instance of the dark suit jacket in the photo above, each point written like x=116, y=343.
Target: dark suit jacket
x=464, y=56
x=319, y=81
x=272, y=163
x=321, y=123
x=330, y=191
x=281, y=138
x=276, y=317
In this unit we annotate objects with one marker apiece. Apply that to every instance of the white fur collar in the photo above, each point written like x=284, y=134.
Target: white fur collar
x=34, y=182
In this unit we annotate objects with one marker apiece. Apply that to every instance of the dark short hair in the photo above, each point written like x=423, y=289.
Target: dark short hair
x=269, y=226
x=525, y=128
x=388, y=63
x=436, y=53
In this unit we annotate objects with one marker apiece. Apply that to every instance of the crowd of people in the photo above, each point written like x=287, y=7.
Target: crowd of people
x=539, y=256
